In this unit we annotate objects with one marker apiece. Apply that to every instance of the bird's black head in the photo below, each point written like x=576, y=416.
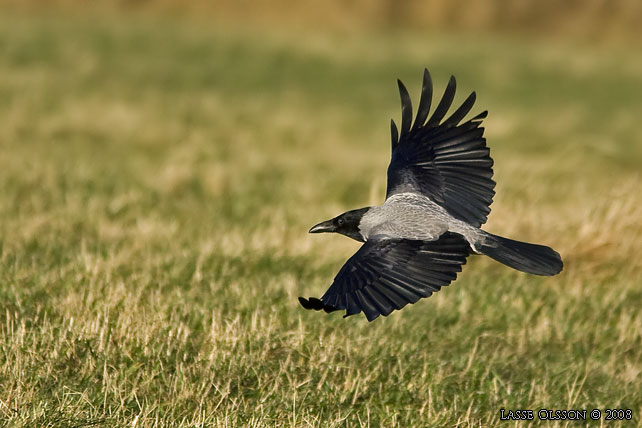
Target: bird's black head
x=346, y=224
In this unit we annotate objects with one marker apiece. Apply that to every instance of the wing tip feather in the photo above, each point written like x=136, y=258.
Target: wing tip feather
x=406, y=107
x=394, y=134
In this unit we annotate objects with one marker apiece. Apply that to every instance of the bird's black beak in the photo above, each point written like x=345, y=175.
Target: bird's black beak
x=326, y=226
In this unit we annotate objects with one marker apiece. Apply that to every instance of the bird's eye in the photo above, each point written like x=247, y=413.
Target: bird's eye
x=340, y=222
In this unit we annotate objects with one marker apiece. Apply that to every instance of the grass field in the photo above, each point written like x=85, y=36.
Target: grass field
x=157, y=180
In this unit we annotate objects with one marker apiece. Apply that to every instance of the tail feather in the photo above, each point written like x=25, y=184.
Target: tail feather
x=525, y=257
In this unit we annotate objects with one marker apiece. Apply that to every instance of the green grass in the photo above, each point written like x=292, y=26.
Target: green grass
x=157, y=180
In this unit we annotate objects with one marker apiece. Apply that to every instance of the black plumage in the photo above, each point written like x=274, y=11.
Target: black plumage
x=439, y=193
x=384, y=275
x=444, y=161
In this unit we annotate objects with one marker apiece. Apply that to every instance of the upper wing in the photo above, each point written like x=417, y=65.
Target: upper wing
x=442, y=159
x=384, y=275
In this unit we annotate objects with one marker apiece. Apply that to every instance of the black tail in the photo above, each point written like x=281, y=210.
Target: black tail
x=525, y=257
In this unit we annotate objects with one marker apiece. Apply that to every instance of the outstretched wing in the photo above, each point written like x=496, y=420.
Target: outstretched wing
x=384, y=275
x=442, y=159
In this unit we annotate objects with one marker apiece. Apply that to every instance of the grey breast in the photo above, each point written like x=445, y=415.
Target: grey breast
x=406, y=216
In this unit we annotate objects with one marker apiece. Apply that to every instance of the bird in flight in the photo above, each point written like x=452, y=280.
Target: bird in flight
x=439, y=193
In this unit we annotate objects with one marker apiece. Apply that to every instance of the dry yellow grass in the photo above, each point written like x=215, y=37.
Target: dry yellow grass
x=157, y=180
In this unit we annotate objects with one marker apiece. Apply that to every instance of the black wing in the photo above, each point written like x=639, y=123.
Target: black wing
x=442, y=159
x=385, y=275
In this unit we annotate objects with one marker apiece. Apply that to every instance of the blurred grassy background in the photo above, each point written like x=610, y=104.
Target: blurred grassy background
x=582, y=19
x=159, y=172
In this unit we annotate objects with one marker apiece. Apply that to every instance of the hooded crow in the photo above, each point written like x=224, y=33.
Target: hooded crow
x=439, y=193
